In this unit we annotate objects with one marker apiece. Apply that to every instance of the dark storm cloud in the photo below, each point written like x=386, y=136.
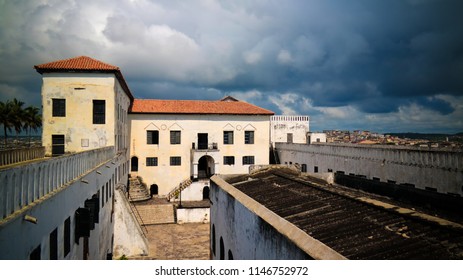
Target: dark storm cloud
x=348, y=64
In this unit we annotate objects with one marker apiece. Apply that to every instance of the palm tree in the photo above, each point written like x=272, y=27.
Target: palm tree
x=32, y=120
x=5, y=118
x=17, y=115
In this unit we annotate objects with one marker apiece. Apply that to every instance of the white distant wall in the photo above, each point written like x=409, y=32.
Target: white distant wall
x=422, y=168
x=316, y=137
x=289, y=129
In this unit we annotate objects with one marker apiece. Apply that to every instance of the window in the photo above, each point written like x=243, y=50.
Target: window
x=230, y=160
x=59, y=107
x=152, y=137
x=304, y=167
x=67, y=236
x=249, y=137
x=228, y=137
x=57, y=145
x=35, y=254
x=102, y=196
x=175, y=161
x=151, y=161
x=175, y=137
x=54, y=244
x=248, y=160
x=289, y=138
x=315, y=169
x=99, y=108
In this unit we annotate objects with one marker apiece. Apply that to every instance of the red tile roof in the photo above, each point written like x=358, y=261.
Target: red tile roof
x=221, y=107
x=83, y=64
x=77, y=63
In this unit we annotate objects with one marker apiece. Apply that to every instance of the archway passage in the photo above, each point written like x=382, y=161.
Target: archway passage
x=205, y=167
x=154, y=190
x=134, y=164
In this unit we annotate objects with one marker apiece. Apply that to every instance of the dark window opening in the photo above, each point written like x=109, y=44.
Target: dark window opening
x=102, y=197
x=152, y=137
x=289, y=138
x=83, y=223
x=59, y=107
x=36, y=253
x=151, y=161
x=229, y=160
x=175, y=137
x=315, y=169
x=175, y=161
x=213, y=239
x=248, y=160
x=134, y=164
x=228, y=137
x=206, y=191
x=57, y=145
x=249, y=137
x=54, y=244
x=154, y=189
x=67, y=236
x=222, y=249
x=304, y=167
x=99, y=111
x=203, y=141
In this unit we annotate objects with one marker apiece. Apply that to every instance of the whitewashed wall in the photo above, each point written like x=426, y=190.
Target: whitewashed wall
x=168, y=177
x=442, y=170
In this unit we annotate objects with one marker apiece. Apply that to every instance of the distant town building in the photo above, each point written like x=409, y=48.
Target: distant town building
x=316, y=137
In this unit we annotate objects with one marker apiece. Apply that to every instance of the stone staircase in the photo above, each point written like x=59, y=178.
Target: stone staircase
x=176, y=191
x=138, y=190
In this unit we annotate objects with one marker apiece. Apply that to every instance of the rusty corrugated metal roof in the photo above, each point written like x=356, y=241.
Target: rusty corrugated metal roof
x=352, y=225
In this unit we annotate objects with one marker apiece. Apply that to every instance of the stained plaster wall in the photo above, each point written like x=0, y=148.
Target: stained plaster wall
x=79, y=90
x=168, y=177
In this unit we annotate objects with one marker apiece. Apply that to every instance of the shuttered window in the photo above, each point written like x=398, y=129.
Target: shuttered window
x=175, y=137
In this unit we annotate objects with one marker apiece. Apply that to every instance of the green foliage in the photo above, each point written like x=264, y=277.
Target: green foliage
x=14, y=116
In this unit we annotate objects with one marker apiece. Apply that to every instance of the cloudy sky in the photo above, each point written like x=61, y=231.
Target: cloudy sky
x=381, y=65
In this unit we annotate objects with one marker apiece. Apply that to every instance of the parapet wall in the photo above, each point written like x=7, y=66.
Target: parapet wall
x=19, y=155
x=428, y=169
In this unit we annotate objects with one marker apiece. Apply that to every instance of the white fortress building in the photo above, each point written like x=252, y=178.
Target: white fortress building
x=174, y=141
x=70, y=201
x=289, y=129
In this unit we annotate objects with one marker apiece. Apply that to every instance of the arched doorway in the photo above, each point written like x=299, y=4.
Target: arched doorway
x=206, y=192
x=134, y=164
x=154, y=190
x=205, y=167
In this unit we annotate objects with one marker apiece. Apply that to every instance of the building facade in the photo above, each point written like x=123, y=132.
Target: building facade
x=289, y=129
x=173, y=141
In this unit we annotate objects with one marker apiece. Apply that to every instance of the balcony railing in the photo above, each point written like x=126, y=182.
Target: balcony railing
x=19, y=155
x=25, y=184
x=204, y=146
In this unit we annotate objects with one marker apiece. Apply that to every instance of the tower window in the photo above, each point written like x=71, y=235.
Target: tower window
x=99, y=111
x=59, y=107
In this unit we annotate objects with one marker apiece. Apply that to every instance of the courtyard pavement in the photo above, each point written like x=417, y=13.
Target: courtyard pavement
x=178, y=241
